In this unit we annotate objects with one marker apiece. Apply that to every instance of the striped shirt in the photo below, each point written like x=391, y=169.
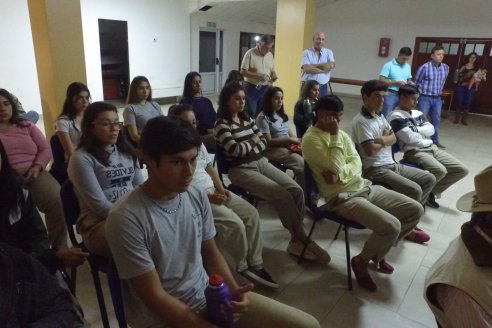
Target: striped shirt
x=411, y=129
x=235, y=139
x=430, y=78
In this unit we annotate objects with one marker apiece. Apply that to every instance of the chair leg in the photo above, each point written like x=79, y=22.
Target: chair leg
x=307, y=242
x=73, y=280
x=338, y=231
x=347, y=254
x=100, y=296
x=115, y=289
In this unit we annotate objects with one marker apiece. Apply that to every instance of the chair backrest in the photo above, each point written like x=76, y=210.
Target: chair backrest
x=222, y=165
x=300, y=131
x=71, y=208
x=310, y=188
x=126, y=134
x=59, y=167
x=57, y=150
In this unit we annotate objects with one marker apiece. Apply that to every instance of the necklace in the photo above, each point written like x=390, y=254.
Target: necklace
x=169, y=211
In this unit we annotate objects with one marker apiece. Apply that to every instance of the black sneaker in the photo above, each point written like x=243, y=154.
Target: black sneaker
x=431, y=201
x=260, y=276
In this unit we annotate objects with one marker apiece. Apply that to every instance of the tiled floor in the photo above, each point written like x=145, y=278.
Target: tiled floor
x=322, y=289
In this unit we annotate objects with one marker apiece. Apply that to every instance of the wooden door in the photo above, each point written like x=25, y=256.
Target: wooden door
x=456, y=51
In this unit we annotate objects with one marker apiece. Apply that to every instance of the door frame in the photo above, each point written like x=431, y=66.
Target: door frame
x=219, y=57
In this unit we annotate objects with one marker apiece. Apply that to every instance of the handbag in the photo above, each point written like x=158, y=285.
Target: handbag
x=295, y=148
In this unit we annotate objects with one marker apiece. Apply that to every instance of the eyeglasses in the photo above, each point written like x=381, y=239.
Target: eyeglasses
x=112, y=126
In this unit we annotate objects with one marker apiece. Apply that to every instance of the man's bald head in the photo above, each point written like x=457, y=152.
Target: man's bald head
x=318, y=40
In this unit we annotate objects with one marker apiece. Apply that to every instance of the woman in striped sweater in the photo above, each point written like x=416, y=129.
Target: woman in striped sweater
x=243, y=146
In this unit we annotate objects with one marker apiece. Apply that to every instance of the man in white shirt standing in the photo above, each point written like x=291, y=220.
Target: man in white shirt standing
x=258, y=69
x=317, y=63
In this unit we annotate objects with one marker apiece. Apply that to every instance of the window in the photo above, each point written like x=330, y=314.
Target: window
x=451, y=48
x=423, y=47
x=426, y=47
x=474, y=47
x=250, y=40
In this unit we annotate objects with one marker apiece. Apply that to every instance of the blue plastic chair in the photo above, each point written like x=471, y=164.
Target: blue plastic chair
x=71, y=211
x=59, y=167
x=321, y=212
x=395, y=149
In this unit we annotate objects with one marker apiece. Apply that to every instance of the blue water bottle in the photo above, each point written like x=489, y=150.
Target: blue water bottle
x=218, y=296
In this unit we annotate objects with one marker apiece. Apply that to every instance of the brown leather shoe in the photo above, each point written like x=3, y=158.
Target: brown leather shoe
x=457, y=116
x=464, y=118
x=362, y=274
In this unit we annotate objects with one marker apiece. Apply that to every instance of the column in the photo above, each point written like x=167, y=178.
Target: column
x=58, y=45
x=293, y=34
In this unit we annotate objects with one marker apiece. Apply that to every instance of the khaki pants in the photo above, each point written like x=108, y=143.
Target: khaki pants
x=262, y=179
x=389, y=214
x=238, y=232
x=91, y=228
x=413, y=182
x=266, y=312
x=269, y=313
x=291, y=160
x=445, y=167
x=45, y=192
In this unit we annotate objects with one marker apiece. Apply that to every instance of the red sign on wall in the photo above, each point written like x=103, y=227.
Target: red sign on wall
x=384, y=44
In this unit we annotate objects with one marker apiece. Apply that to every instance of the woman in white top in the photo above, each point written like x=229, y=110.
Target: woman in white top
x=140, y=107
x=68, y=123
x=283, y=144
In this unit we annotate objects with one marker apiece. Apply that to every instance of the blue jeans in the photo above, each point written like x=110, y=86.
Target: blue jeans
x=431, y=105
x=254, y=96
x=465, y=97
x=391, y=100
x=323, y=89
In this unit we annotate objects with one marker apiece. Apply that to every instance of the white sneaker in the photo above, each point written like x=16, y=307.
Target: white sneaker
x=295, y=248
x=322, y=256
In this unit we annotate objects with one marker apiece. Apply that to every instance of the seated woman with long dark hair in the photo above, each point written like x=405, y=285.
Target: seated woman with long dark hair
x=202, y=107
x=21, y=225
x=102, y=169
x=273, y=122
x=243, y=146
x=67, y=127
x=140, y=107
x=29, y=154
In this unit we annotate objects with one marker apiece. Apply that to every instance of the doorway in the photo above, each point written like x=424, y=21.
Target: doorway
x=456, y=51
x=113, y=38
x=210, y=60
x=250, y=40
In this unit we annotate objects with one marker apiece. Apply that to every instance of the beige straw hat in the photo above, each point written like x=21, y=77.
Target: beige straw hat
x=479, y=200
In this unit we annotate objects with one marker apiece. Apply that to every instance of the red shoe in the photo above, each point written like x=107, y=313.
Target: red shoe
x=385, y=267
x=418, y=236
x=362, y=274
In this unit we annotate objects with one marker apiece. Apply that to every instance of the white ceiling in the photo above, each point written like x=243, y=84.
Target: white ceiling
x=259, y=11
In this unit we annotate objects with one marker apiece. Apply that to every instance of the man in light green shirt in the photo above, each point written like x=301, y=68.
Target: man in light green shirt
x=337, y=171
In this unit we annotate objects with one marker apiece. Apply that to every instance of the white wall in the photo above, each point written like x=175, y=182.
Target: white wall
x=232, y=31
x=165, y=62
x=353, y=29
x=17, y=62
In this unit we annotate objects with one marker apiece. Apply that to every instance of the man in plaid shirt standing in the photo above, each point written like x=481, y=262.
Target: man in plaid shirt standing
x=430, y=79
